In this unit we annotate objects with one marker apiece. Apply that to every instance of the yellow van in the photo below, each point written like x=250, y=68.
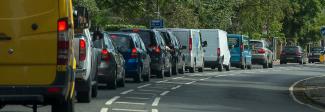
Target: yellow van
x=36, y=55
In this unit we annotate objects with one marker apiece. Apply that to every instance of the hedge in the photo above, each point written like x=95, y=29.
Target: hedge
x=121, y=26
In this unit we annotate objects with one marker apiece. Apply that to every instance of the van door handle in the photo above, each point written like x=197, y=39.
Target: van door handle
x=4, y=37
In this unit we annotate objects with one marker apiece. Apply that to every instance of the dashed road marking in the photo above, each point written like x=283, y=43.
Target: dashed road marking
x=147, y=90
x=176, y=87
x=126, y=92
x=144, y=86
x=131, y=103
x=137, y=98
x=104, y=110
x=161, y=81
x=143, y=93
x=129, y=110
x=179, y=77
x=190, y=82
x=109, y=102
x=154, y=110
x=164, y=93
x=156, y=101
x=205, y=79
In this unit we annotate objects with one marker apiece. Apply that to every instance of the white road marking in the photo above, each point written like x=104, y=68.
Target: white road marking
x=179, y=77
x=161, y=81
x=129, y=110
x=109, y=102
x=164, y=93
x=137, y=98
x=144, y=85
x=156, y=101
x=131, y=103
x=143, y=93
x=126, y=92
x=291, y=89
x=154, y=110
x=221, y=75
x=176, y=87
x=147, y=90
x=104, y=110
x=205, y=79
x=190, y=82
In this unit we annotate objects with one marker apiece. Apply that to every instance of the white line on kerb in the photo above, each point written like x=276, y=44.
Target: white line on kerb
x=190, y=82
x=154, y=110
x=109, y=102
x=176, y=87
x=126, y=92
x=129, y=110
x=131, y=103
x=291, y=89
x=164, y=93
x=104, y=110
x=144, y=85
x=156, y=101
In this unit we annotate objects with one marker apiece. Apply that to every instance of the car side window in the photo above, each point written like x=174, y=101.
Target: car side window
x=109, y=44
x=143, y=47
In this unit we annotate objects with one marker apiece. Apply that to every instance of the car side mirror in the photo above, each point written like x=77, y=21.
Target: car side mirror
x=204, y=44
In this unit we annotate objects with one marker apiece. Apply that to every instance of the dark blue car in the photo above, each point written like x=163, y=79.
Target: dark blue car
x=240, y=50
x=137, y=59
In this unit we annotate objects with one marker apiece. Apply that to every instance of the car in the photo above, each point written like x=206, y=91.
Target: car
x=111, y=69
x=160, y=56
x=191, y=40
x=217, y=54
x=36, y=55
x=241, y=54
x=136, y=56
x=261, y=54
x=293, y=54
x=86, y=59
x=178, y=62
x=315, y=53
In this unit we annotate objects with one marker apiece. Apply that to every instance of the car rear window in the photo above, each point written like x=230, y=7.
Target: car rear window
x=256, y=44
x=166, y=37
x=147, y=37
x=233, y=42
x=290, y=49
x=123, y=42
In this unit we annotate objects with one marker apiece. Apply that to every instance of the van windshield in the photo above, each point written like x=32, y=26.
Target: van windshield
x=233, y=42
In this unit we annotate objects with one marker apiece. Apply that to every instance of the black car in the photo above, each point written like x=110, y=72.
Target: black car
x=111, y=67
x=159, y=54
x=135, y=54
x=293, y=54
x=314, y=54
x=178, y=64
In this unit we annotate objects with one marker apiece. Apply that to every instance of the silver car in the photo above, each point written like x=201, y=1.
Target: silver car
x=261, y=54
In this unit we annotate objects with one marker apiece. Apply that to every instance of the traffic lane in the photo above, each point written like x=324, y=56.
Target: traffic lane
x=251, y=91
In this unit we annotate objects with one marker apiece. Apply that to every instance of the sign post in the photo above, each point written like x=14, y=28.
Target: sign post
x=157, y=23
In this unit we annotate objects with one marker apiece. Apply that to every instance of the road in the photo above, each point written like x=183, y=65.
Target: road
x=257, y=90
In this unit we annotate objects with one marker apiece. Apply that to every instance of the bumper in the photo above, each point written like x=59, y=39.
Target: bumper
x=105, y=72
x=291, y=59
x=131, y=68
x=259, y=59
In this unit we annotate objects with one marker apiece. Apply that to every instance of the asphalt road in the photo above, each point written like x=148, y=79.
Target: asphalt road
x=257, y=90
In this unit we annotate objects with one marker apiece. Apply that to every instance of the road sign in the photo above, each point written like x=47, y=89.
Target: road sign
x=323, y=31
x=157, y=23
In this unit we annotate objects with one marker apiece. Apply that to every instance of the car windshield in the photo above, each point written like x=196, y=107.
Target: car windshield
x=256, y=44
x=122, y=42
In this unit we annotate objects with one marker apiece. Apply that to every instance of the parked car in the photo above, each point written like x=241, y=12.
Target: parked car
x=111, y=67
x=86, y=59
x=315, y=53
x=217, y=54
x=293, y=54
x=36, y=54
x=178, y=62
x=261, y=54
x=135, y=54
x=241, y=55
x=191, y=40
x=160, y=56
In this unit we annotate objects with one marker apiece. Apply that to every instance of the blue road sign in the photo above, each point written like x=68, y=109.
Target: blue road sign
x=157, y=23
x=323, y=31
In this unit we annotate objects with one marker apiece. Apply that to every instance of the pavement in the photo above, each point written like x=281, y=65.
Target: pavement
x=257, y=90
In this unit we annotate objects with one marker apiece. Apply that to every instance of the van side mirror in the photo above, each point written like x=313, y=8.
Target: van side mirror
x=81, y=17
x=204, y=44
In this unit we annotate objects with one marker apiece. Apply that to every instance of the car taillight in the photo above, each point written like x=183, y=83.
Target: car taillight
x=63, y=42
x=190, y=44
x=105, y=55
x=298, y=53
x=134, y=53
x=156, y=49
x=218, y=51
x=241, y=47
x=261, y=51
x=82, y=50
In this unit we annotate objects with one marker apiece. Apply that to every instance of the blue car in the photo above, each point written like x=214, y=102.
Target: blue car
x=240, y=50
x=136, y=56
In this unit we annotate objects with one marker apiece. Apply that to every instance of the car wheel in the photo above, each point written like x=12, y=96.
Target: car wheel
x=182, y=70
x=243, y=66
x=2, y=106
x=228, y=67
x=112, y=83
x=265, y=65
x=147, y=76
x=249, y=67
x=85, y=96
x=138, y=76
x=121, y=83
x=192, y=69
x=64, y=106
x=271, y=65
x=94, y=91
x=170, y=71
x=175, y=71
x=220, y=68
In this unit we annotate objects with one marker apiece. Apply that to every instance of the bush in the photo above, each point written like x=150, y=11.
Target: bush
x=121, y=26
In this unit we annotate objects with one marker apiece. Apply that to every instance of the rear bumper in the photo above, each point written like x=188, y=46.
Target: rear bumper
x=105, y=72
x=131, y=68
x=213, y=63
x=259, y=59
x=291, y=59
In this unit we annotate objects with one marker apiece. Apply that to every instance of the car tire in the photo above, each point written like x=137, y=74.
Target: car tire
x=121, y=83
x=243, y=66
x=192, y=69
x=138, y=76
x=182, y=70
x=85, y=96
x=249, y=67
x=146, y=78
x=220, y=68
x=201, y=69
x=94, y=91
x=112, y=83
x=271, y=65
x=2, y=106
x=170, y=71
x=228, y=67
x=63, y=106
x=175, y=68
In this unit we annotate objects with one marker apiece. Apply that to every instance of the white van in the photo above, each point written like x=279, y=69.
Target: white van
x=217, y=54
x=192, y=45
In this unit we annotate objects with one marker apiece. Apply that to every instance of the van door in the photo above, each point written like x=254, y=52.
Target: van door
x=211, y=37
x=28, y=40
